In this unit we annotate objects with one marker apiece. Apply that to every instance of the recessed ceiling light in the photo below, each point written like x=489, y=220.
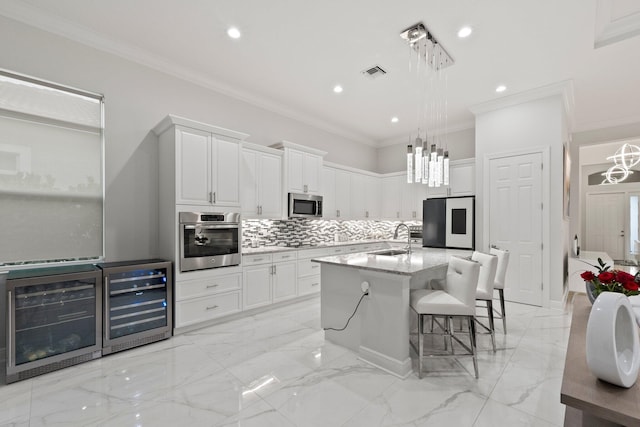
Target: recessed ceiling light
x=465, y=32
x=234, y=33
x=394, y=120
x=501, y=88
x=337, y=89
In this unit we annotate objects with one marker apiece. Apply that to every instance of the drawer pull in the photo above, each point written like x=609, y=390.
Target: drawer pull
x=212, y=286
x=258, y=259
x=315, y=284
x=315, y=266
x=286, y=256
x=213, y=307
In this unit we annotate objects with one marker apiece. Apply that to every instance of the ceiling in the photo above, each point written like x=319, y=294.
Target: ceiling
x=293, y=52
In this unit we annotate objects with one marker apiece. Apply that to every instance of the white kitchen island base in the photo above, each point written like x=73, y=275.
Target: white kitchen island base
x=379, y=330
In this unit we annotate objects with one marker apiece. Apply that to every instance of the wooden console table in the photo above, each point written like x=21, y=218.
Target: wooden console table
x=590, y=401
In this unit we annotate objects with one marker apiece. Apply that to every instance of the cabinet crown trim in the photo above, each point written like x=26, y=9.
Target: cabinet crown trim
x=172, y=120
x=262, y=148
x=286, y=144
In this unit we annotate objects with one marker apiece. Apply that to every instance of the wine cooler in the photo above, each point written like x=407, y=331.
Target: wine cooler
x=54, y=319
x=137, y=303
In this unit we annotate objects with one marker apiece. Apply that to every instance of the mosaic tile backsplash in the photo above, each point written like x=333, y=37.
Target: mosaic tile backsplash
x=303, y=231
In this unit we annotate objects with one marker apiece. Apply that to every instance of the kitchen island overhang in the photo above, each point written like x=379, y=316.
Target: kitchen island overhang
x=379, y=329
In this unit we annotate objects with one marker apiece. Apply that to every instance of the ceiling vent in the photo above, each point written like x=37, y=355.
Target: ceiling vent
x=374, y=72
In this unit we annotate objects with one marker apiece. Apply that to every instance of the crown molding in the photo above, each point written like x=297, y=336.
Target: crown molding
x=35, y=17
x=563, y=89
x=449, y=130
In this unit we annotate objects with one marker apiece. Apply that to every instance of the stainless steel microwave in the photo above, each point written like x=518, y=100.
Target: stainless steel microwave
x=305, y=205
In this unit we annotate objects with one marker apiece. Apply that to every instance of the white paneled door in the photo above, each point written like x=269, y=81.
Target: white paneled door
x=605, y=224
x=515, y=222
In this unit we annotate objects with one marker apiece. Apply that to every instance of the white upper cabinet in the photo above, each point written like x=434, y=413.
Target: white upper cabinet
x=193, y=166
x=302, y=168
x=261, y=182
x=365, y=196
x=401, y=200
x=336, y=194
x=204, y=159
x=462, y=180
x=391, y=200
x=329, y=210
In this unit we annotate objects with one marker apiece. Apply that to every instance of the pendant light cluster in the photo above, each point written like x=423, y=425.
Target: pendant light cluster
x=427, y=157
x=431, y=166
x=624, y=159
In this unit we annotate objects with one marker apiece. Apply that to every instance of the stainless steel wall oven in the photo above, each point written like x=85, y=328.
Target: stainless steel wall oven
x=209, y=240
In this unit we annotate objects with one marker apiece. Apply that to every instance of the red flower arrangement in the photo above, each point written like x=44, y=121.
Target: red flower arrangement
x=612, y=280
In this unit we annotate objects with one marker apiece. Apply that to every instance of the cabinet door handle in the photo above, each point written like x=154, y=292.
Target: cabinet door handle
x=214, y=197
x=306, y=188
x=213, y=307
x=397, y=214
x=274, y=270
x=366, y=214
x=338, y=213
x=10, y=330
x=258, y=209
x=210, y=197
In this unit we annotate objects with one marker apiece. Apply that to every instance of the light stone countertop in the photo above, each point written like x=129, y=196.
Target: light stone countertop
x=421, y=259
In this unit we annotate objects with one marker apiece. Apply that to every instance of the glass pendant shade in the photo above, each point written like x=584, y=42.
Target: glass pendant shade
x=409, y=164
x=445, y=170
x=425, y=167
x=418, y=165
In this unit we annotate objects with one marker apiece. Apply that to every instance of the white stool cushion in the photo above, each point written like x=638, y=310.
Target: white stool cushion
x=487, y=277
x=501, y=270
x=482, y=294
x=428, y=301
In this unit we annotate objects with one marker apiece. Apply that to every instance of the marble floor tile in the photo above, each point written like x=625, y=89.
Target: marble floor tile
x=497, y=414
x=274, y=368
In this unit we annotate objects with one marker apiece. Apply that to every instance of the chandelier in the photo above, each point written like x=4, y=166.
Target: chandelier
x=427, y=157
x=624, y=159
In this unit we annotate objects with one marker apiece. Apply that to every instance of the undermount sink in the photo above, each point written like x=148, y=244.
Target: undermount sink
x=390, y=252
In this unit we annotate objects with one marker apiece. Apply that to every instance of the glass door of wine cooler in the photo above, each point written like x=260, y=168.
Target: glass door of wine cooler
x=137, y=297
x=54, y=319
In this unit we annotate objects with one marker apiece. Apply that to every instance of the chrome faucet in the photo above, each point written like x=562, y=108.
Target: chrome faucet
x=395, y=236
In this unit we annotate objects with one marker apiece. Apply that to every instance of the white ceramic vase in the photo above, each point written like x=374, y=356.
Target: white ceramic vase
x=613, y=347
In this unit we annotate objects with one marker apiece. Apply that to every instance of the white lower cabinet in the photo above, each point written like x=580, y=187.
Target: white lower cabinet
x=256, y=285
x=269, y=278
x=204, y=299
x=309, y=272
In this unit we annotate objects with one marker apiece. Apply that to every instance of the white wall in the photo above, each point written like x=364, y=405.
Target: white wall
x=461, y=145
x=524, y=126
x=136, y=99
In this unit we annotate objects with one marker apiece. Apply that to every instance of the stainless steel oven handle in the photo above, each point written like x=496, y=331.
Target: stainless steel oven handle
x=10, y=330
x=106, y=309
x=228, y=225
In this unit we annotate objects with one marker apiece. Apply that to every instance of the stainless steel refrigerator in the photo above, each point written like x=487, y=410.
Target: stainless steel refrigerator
x=449, y=222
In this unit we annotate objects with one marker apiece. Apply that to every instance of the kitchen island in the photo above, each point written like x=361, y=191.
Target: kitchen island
x=379, y=329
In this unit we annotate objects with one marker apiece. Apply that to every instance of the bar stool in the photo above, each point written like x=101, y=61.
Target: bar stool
x=453, y=297
x=484, y=292
x=501, y=273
